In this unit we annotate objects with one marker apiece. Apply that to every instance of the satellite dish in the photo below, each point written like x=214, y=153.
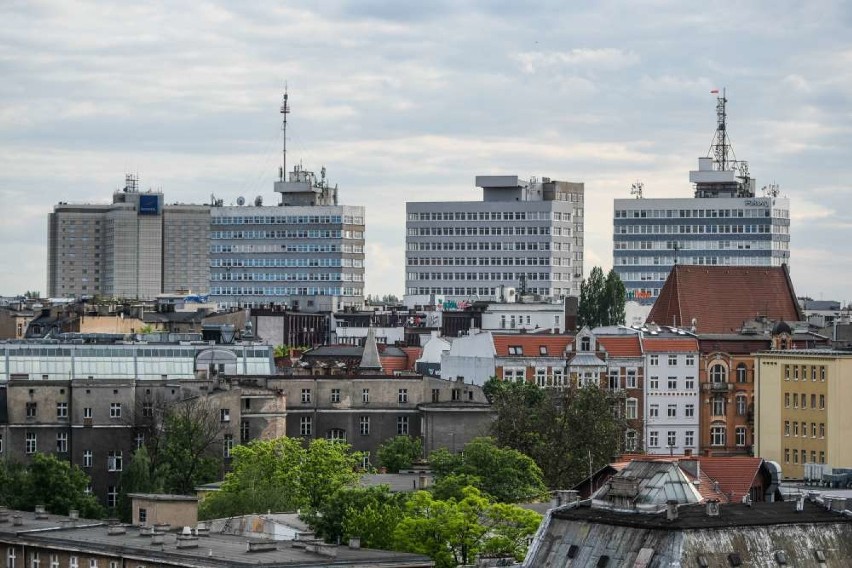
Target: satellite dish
x=241, y=201
x=258, y=201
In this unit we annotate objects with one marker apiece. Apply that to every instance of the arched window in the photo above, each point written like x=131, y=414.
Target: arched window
x=718, y=374
x=336, y=435
x=741, y=373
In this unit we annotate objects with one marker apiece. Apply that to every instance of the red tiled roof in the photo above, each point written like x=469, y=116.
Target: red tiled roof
x=393, y=363
x=721, y=298
x=532, y=344
x=734, y=474
x=670, y=345
x=621, y=346
x=414, y=353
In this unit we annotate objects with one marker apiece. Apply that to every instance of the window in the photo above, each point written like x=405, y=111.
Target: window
x=227, y=445
x=516, y=349
x=436, y=395
x=61, y=410
x=558, y=377
x=335, y=396
x=804, y=400
x=542, y=349
x=31, y=443
x=62, y=442
x=138, y=440
x=689, y=438
x=690, y=361
x=786, y=455
x=796, y=429
x=402, y=396
x=822, y=456
x=654, y=383
x=365, y=395
x=336, y=435
x=87, y=458
x=87, y=412
x=613, y=379
x=742, y=404
x=73, y=562
x=585, y=344
x=741, y=373
x=364, y=423
x=795, y=400
x=630, y=441
x=671, y=411
x=821, y=430
x=306, y=396
x=740, y=434
x=305, y=426
x=54, y=561
x=654, y=439
x=822, y=402
x=115, y=410
x=813, y=401
x=672, y=360
x=143, y=515
x=93, y=562
x=112, y=496
x=32, y=409
x=654, y=360
x=795, y=456
x=34, y=560
x=718, y=406
x=822, y=373
x=540, y=376
x=718, y=374
x=786, y=427
x=672, y=383
x=147, y=409
x=813, y=373
x=786, y=372
x=717, y=436
x=402, y=425
x=631, y=409
x=654, y=411
x=631, y=378
x=689, y=410
x=689, y=383
x=245, y=431
x=114, y=460
x=813, y=430
x=787, y=400
x=10, y=558
x=224, y=414
x=671, y=439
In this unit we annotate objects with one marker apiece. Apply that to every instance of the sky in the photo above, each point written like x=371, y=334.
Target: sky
x=409, y=101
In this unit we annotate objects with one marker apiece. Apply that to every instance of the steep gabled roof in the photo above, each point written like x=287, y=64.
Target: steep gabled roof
x=735, y=475
x=721, y=298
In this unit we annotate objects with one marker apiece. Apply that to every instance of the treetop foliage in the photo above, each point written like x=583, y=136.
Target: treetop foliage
x=602, y=299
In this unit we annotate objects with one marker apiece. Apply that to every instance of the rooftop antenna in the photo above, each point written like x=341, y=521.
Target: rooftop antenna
x=636, y=189
x=285, y=110
x=721, y=145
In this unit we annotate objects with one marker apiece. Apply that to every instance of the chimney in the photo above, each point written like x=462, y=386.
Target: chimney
x=671, y=510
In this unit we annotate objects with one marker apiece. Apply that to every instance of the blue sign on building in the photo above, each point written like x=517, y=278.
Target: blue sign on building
x=149, y=204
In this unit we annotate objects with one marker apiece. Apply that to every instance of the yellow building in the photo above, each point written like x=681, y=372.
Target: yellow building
x=804, y=409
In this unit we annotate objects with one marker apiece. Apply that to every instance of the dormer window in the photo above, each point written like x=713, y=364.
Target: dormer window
x=585, y=344
x=516, y=350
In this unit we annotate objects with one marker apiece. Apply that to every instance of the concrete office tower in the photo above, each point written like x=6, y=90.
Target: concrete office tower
x=135, y=247
x=725, y=223
x=524, y=236
x=306, y=253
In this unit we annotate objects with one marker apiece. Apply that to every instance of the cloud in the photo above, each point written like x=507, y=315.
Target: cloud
x=603, y=59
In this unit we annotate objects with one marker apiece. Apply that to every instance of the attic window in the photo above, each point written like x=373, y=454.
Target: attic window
x=735, y=559
x=542, y=350
x=516, y=350
x=586, y=344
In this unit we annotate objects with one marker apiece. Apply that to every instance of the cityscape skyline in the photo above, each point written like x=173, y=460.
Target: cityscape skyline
x=410, y=103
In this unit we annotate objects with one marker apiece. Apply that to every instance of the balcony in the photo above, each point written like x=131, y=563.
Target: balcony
x=718, y=387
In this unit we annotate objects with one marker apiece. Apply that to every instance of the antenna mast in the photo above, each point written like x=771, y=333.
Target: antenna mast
x=721, y=143
x=285, y=110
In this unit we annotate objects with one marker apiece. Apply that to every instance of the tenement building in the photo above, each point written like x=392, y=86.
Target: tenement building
x=725, y=223
x=524, y=236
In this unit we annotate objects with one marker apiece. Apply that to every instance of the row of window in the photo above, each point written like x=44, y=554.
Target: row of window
x=306, y=427
x=795, y=453
x=671, y=410
x=486, y=261
x=793, y=400
x=287, y=220
x=671, y=439
x=718, y=435
x=484, y=291
x=804, y=371
x=700, y=229
x=719, y=403
x=490, y=216
x=285, y=234
x=671, y=383
x=31, y=410
x=73, y=560
x=285, y=291
x=285, y=276
x=449, y=276
x=697, y=213
x=486, y=231
x=483, y=245
x=698, y=245
x=307, y=396
x=794, y=430
x=753, y=260
x=277, y=262
x=288, y=247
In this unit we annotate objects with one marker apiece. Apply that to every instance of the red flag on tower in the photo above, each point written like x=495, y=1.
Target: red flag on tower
x=714, y=92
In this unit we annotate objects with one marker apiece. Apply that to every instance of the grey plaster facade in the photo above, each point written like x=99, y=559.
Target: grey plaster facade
x=523, y=234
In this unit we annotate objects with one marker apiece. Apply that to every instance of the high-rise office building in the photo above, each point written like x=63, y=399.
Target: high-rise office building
x=524, y=235
x=725, y=223
x=135, y=247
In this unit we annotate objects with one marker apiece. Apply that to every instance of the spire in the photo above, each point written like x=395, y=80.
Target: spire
x=370, y=359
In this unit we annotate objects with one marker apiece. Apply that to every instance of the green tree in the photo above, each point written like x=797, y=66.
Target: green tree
x=561, y=429
x=602, y=299
x=283, y=475
x=139, y=477
x=51, y=482
x=189, y=453
x=505, y=474
x=399, y=453
x=371, y=513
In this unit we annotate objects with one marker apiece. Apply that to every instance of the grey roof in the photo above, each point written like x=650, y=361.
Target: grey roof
x=649, y=485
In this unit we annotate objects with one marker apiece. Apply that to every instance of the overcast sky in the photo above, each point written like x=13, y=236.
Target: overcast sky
x=409, y=101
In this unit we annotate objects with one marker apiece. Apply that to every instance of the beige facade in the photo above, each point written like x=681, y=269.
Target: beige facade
x=154, y=509
x=802, y=409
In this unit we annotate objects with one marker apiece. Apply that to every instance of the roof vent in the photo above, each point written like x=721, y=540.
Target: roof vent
x=713, y=510
x=735, y=559
x=781, y=557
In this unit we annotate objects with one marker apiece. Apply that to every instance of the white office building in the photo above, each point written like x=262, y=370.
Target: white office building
x=524, y=237
x=725, y=223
